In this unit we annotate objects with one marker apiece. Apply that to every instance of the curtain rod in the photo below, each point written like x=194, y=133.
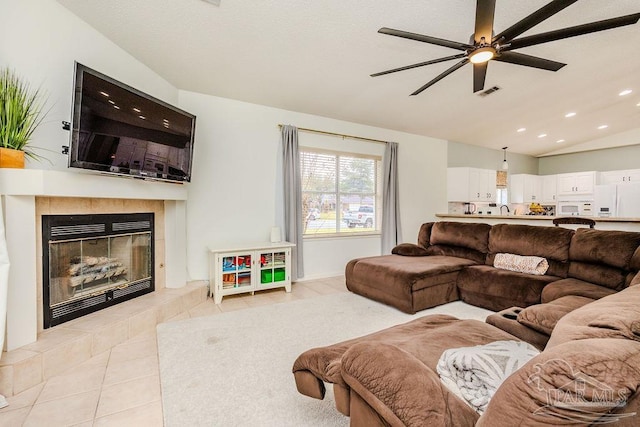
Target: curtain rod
x=340, y=135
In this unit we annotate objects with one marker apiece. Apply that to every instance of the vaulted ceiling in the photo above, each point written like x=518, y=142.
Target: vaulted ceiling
x=316, y=57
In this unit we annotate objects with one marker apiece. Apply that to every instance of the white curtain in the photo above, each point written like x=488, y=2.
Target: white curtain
x=4, y=288
x=391, y=233
x=292, y=197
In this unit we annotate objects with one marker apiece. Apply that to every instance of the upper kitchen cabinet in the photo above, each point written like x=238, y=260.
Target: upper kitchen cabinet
x=549, y=188
x=620, y=177
x=471, y=185
x=525, y=188
x=576, y=184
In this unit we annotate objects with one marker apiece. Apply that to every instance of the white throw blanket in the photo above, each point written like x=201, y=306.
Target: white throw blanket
x=522, y=264
x=475, y=373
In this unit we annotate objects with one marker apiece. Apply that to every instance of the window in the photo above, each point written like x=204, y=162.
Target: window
x=340, y=192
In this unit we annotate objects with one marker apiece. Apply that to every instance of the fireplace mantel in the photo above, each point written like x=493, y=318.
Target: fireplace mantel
x=51, y=183
x=19, y=189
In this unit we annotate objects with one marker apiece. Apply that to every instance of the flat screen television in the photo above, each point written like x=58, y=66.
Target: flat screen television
x=120, y=130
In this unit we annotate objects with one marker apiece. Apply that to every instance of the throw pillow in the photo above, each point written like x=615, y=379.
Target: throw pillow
x=409, y=249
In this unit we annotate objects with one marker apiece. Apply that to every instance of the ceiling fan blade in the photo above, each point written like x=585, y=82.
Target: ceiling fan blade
x=532, y=20
x=529, y=61
x=578, y=30
x=479, y=74
x=421, y=64
x=424, y=39
x=485, y=10
x=442, y=76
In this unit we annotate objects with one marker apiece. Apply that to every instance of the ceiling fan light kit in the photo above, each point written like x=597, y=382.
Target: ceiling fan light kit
x=483, y=54
x=479, y=52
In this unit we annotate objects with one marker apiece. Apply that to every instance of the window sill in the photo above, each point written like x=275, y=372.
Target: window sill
x=339, y=236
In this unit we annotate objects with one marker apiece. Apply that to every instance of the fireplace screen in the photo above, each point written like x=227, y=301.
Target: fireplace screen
x=93, y=261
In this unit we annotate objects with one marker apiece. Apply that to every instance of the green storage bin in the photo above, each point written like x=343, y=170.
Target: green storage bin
x=278, y=275
x=266, y=276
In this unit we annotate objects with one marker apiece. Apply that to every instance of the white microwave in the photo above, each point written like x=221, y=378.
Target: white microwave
x=575, y=208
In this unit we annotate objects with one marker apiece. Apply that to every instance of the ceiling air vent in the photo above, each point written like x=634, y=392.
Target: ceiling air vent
x=489, y=91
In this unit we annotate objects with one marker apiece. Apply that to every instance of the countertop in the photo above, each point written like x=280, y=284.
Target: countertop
x=531, y=217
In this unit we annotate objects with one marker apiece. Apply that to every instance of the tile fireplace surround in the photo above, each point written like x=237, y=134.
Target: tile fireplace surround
x=28, y=194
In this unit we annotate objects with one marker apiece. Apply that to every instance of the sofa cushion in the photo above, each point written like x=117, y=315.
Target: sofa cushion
x=599, y=274
x=551, y=243
x=636, y=280
x=459, y=239
x=424, y=234
x=409, y=249
x=575, y=383
x=495, y=289
x=614, y=316
x=634, y=264
x=544, y=317
x=576, y=287
x=607, y=247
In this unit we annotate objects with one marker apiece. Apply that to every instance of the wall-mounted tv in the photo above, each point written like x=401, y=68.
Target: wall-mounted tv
x=120, y=130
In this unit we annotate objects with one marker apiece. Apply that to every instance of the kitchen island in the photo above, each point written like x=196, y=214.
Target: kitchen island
x=625, y=224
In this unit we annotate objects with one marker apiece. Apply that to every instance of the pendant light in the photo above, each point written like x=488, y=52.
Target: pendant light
x=505, y=165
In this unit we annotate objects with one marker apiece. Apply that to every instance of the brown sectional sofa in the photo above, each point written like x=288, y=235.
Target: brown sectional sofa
x=455, y=261
x=589, y=374
x=376, y=377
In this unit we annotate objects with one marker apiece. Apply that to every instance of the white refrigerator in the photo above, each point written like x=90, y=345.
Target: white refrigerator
x=621, y=201
x=628, y=200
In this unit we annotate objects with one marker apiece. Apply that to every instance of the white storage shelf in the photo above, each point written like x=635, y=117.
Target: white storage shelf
x=250, y=268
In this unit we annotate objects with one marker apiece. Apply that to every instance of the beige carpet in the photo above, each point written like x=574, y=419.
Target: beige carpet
x=234, y=369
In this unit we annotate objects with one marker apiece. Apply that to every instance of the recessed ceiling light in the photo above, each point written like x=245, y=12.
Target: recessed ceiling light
x=104, y=93
x=625, y=92
x=521, y=130
x=165, y=120
x=603, y=127
x=142, y=117
x=560, y=141
x=137, y=110
x=638, y=104
x=111, y=102
x=542, y=135
x=116, y=107
x=571, y=114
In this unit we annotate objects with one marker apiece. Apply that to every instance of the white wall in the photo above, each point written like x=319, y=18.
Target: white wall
x=40, y=40
x=465, y=155
x=236, y=151
x=605, y=159
x=232, y=196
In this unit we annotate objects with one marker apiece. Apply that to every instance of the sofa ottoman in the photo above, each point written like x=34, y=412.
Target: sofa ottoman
x=425, y=338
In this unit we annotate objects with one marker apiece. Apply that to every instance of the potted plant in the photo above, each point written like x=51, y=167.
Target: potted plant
x=21, y=111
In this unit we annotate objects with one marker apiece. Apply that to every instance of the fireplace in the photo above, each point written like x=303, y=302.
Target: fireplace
x=94, y=261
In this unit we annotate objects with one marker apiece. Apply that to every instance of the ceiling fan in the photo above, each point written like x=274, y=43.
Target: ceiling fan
x=484, y=46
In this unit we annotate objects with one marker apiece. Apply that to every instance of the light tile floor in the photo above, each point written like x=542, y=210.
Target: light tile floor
x=121, y=387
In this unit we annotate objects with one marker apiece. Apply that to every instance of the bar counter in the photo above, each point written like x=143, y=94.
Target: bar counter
x=625, y=224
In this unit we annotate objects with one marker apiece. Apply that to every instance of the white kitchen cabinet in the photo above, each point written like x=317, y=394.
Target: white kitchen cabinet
x=576, y=184
x=620, y=177
x=526, y=188
x=471, y=185
x=549, y=189
x=249, y=268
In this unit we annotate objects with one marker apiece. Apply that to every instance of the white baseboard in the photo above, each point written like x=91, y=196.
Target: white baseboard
x=319, y=276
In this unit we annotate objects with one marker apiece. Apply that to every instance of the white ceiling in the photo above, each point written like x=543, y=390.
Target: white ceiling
x=316, y=57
